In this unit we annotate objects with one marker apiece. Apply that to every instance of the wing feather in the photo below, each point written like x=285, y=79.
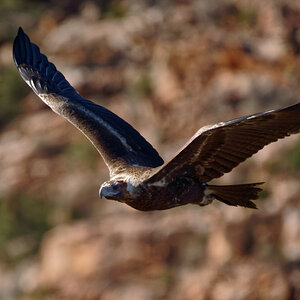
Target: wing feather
x=117, y=141
x=217, y=149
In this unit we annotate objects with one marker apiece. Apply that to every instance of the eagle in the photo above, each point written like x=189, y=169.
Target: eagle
x=138, y=175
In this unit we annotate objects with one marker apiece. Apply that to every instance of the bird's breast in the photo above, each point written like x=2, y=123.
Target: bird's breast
x=164, y=196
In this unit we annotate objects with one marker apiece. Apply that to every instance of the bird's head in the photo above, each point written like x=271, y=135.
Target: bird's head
x=114, y=190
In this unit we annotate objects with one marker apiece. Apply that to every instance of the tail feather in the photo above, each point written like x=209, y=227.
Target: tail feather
x=236, y=195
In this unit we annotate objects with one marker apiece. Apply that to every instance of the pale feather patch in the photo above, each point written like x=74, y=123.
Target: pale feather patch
x=123, y=177
x=207, y=192
x=108, y=127
x=46, y=97
x=207, y=198
x=160, y=183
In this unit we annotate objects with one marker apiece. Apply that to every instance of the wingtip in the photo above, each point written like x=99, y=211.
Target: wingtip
x=21, y=34
x=19, y=45
x=16, y=46
x=20, y=31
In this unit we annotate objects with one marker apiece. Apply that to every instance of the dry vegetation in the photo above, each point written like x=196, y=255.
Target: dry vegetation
x=167, y=67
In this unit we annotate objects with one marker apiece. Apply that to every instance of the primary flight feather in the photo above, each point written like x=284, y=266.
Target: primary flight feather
x=138, y=175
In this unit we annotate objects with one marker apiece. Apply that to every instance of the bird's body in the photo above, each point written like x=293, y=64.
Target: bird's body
x=138, y=175
x=157, y=196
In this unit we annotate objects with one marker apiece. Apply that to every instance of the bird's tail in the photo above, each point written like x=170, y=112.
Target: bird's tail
x=236, y=195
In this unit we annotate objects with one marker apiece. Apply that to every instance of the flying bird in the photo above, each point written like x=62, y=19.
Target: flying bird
x=138, y=175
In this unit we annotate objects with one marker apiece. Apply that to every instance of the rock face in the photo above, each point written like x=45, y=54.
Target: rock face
x=168, y=68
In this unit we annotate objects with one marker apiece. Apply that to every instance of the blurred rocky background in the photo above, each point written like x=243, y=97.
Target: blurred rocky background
x=168, y=68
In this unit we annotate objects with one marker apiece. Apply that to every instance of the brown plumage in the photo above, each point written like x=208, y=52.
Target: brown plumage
x=138, y=175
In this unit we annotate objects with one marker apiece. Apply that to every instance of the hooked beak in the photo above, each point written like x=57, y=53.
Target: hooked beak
x=105, y=192
x=100, y=194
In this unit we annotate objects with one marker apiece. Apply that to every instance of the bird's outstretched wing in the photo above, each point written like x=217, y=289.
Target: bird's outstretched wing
x=217, y=149
x=118, y=142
